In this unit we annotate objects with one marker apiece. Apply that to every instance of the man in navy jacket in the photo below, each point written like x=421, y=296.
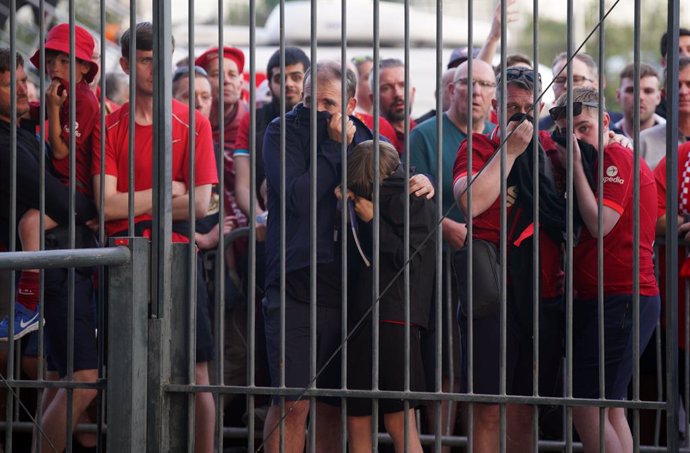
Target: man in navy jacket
x=329, y=105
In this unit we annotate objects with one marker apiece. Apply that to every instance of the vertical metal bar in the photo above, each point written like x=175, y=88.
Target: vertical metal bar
x=470, y=228
x=343, y=229
x=569, y=237
x=71, y=224
x=283, y=208
x=376, y=242
x=251, y=284
x=101, y=305
x=504, y=231
x=13, y=214
x=536, y=264
x=192, y=257
x=313, y=269
x=438, y=283
x=132, y=123
x=672, y=67
x=636, y=226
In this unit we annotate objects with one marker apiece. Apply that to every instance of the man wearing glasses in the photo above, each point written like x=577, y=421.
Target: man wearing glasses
x=486, y=210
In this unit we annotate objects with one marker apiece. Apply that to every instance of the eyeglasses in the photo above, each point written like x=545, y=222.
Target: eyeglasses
x=577, y=80
x=561, y=111
x=182, y=71
x=517, y=73
x=463, y=81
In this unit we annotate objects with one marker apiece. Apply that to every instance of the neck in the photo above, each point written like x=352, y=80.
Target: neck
x=460, y=121
x=398, y=125
x=143, y=109
x=629, y=128
x=214, y=113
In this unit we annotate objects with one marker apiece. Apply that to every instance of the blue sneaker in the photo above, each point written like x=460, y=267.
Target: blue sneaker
x=25, y=321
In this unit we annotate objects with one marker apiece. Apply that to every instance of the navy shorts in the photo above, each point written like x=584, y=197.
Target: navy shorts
x=204, y=333
x=391, y=366
x=618, y=338
x=297, y=343
x=519, y=354
x=55, y=310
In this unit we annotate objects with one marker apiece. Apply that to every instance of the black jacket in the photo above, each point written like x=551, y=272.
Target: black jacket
x=392, y=257
x=28, y=184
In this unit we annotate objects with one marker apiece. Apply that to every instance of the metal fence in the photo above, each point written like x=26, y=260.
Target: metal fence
x=148, y=377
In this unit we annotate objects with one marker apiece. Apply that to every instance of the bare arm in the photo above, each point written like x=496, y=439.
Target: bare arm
x=486, y=187
x=488, y=50
x=116, y=204
x=54, y=102
x=242, y=192
x=180, y=203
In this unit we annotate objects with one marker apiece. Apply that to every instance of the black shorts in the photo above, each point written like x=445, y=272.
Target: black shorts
x=297, y=344
x=204, y=332
x=56, y=310
x=391, y=366
x=618, y=338
x=519, y=353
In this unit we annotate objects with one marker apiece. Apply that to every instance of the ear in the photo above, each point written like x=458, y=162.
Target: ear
x=124, y=64
x=607, y=121
x=351, y=105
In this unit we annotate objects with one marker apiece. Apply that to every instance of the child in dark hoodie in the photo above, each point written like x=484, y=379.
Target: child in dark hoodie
x=391, y=304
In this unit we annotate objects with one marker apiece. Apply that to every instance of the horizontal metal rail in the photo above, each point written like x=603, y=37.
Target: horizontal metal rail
x=53, y=259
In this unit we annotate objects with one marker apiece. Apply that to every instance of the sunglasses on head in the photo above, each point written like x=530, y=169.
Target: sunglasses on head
x=517, y=72
x=561, y=111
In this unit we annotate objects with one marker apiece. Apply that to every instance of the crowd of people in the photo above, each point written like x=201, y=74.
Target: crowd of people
x=378, y=231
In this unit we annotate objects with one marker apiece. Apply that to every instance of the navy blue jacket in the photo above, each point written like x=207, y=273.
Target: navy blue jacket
x=298, y=189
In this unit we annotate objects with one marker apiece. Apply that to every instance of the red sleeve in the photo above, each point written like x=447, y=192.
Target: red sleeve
x=86, y=116
x=110, y=136
x=242, y=139
x=205, y=159
x=482, y=150
x=660, y=178
x=617, y=177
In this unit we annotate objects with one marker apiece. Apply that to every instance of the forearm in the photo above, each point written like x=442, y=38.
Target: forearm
x=117, y=204
x=589, y=208
x=58, y=147
x=486, y=187
x=488, y=50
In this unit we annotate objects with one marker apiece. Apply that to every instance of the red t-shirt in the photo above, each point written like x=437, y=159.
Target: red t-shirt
x=386, y=129
x=117, y=155
x=487, y=225
x=618, y=244
x=683, y=261
x=86, y=118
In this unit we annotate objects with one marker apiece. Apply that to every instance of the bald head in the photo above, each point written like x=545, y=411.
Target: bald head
x=484, y=90
x=446, y=81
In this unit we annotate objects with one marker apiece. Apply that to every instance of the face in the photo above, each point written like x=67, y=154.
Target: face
x=586, y=126
x=6, y=94
x=232, y=80
x=483, y=92
x=650, y=96
x=328, y=97
x=144, y=71
x=392, y=94
x=582, y=77
x=202, y=94
x=684, y=91
x=57, y=66
x=294, y=80
x=363, y=89
x=519, y=100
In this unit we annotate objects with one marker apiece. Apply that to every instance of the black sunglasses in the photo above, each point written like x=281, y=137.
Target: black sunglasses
x=517, y=73
x=556, y=113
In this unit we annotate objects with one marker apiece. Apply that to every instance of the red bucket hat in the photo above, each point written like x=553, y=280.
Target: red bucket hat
x=58, y=39
x=232, y=53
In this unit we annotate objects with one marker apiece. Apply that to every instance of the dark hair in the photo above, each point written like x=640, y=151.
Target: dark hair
x=332, y=71
x=514, y=59
x=144, y=31
x=664, y=40
x=293, y=55
x=683, y=62
x=646, y=70
x=6, y=59
x=360, y=166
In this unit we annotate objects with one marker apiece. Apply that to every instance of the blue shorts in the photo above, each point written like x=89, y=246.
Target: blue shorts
x=297, y=343
x=519, y=354
x=618, y=338
x=56, y=310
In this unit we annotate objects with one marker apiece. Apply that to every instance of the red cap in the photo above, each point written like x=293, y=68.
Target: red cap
x=58, y=39
x=232, y=53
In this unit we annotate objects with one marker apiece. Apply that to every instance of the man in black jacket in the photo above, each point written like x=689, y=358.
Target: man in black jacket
x=27, y=193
